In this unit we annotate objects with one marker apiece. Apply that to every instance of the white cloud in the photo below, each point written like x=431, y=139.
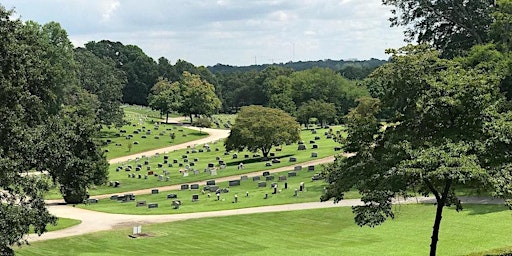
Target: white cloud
x=207, y=32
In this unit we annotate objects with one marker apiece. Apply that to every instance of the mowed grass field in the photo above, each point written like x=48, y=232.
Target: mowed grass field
x=143, y=134
x=62, y=223
x=200, y=161
x=476, y=229
x=248, y=195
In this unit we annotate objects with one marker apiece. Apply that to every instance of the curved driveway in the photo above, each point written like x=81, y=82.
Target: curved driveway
x=98, y=221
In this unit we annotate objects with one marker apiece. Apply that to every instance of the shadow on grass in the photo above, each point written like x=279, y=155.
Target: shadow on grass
x=241, y=158
x=478, y=209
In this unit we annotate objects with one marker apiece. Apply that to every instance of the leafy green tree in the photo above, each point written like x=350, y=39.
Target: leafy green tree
x=202, y=123
x=323, y=111
x=141, y=70
x=451, y=26
x=198, y=96
x=165, y=97
x=100, y=77
x=435, y=141
x=261, y=128
x=500, y=31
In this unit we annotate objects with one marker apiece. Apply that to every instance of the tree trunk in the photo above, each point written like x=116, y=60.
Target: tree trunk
x=265, y=153
x=435, y=230
x=191, y=121
x=167, y=118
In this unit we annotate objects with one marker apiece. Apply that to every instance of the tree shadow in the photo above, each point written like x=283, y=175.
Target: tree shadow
x=249, y=160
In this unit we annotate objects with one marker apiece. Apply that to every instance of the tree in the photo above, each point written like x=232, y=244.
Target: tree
x=323, y=111
x=202, y=123
x=261, y=128
x=165, y=97
x=198, y=96
x=451, y=26
x=100, y=76
x=500, y=31
x=435, y=141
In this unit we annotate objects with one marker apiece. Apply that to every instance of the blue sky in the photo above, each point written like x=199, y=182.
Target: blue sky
x=233, y=32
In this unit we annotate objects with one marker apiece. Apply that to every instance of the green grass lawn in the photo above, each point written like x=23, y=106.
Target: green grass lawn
x=310, y=232
x=256, y=195
x=251, y=164
x=142, y=111
x=143, y=135
x=62, y=223
x=224, y=121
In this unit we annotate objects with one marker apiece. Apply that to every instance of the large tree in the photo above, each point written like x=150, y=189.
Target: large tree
x=38, y=85
x=99, y=76
x=165, y=97
x=439, y=136
x=451, y=26
x=261, y=128
x=198, y=96
x=321, y=110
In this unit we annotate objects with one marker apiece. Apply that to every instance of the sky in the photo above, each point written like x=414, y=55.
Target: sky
x=231, y=32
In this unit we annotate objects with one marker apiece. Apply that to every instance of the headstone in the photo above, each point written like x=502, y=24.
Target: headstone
x=195, y=197
x=301, y=147
x=210, y=182
x=175, y=161
x=313, y=131
x=337, y=148
x=262, y=184
x=311, y=168
x=266, y=173
x=272, y=154
x=176, y=204
x=276, y=161
x=194, y=186
x=256, y=178
x=152, y=205
x=316, y=177
x=301, y=187
x=234, y=183
x=297, y=168
x=315, y=146
x=270, y=177
x=267, y=164
x=170, y=196
x=235, y=156
x=311, y=142
x=140, y=203
x=211, y=165
x=314, y=154
x=184, y=187
x=154, y=191
x=292, y=174
x=317, y=137
x=92, y=200
x=213, y=188
x=244, y=177
x=293, y=159
x=283, y=178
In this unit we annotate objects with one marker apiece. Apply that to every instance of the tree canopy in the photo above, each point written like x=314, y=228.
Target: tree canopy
x=261, y=128
x=451, y=26
x=39, y=93
x=438, y=136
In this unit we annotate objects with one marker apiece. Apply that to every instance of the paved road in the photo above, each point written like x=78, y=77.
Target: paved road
x=98, y=221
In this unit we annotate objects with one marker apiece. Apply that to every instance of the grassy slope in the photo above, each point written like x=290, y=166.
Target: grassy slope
x=310, y=232
x=326, y=148
x=62, y=223
x=256, y=197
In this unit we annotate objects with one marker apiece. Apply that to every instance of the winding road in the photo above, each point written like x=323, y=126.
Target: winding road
x=93, y=221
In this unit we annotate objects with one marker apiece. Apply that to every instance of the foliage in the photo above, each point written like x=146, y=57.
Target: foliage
x=323, y=111
x=202, y=122
x=451, y=26
x=198, y=96
x=141, y=70
x=99, y=76
x=165, y=97
x=260, y=128
x=435, y=139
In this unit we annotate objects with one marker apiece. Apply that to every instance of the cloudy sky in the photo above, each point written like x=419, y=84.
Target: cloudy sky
x=233, y=32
